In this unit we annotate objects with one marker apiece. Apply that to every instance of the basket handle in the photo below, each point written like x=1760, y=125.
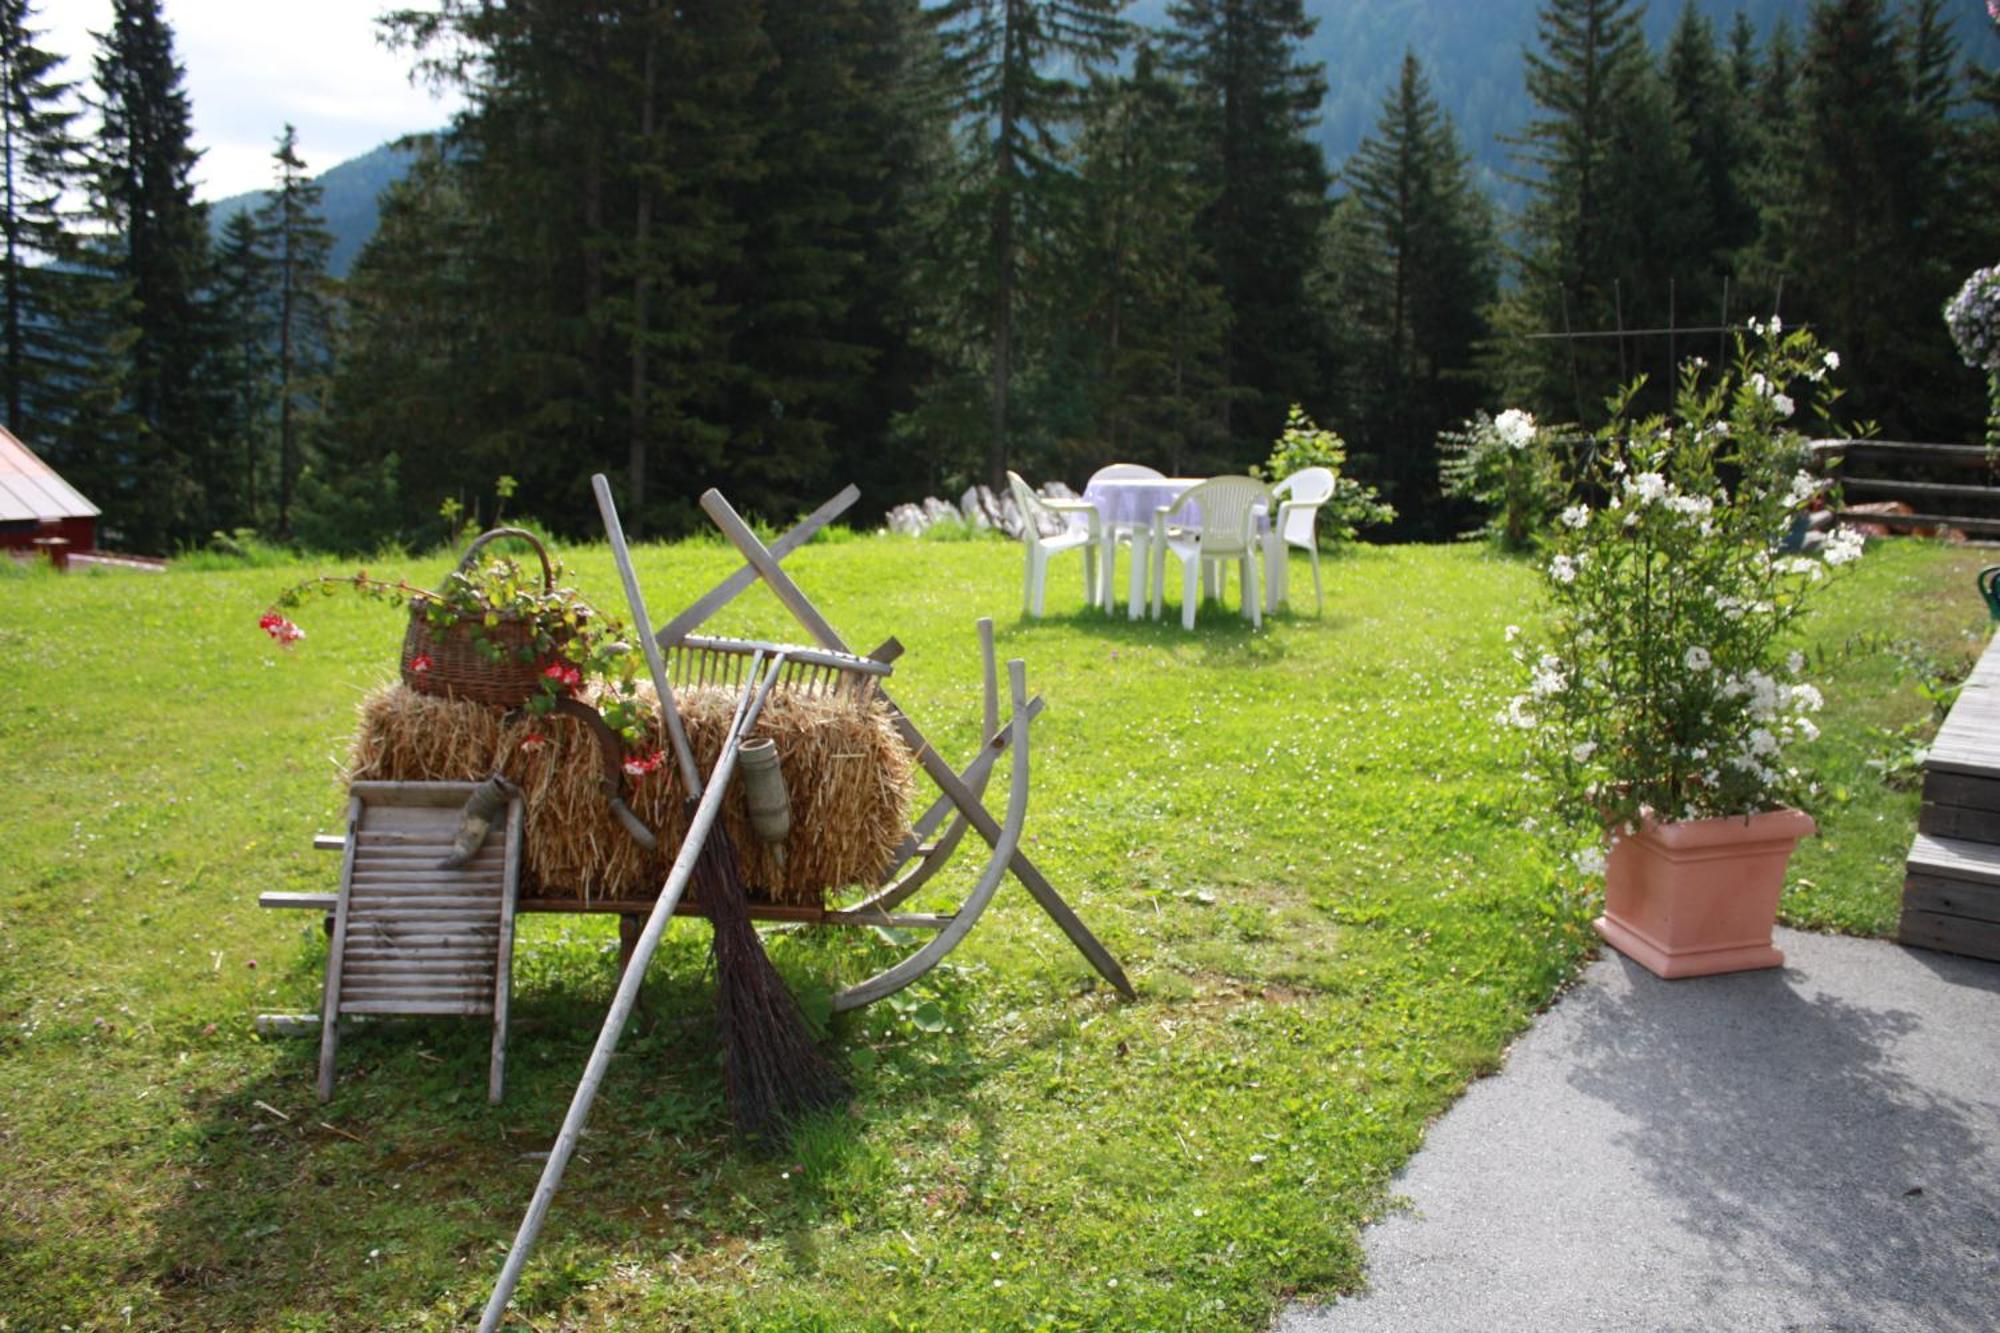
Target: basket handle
x=548, y=573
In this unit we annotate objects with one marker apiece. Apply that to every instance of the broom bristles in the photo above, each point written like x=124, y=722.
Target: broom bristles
x=772, y=1071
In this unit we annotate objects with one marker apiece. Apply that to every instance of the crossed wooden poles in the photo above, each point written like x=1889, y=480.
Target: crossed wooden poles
x=960, y=796
x=960, y=792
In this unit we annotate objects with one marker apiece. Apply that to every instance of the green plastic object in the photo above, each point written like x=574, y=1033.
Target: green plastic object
x=1989, y=588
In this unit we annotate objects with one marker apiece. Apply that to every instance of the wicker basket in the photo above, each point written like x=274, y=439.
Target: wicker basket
x=462, y=662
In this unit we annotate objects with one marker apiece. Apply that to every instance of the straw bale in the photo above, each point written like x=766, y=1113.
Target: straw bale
x=849, y=775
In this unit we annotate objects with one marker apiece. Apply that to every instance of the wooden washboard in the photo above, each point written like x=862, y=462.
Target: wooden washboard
x=411, y=939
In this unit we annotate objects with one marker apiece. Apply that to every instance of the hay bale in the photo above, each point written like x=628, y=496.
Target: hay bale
x=848, y=772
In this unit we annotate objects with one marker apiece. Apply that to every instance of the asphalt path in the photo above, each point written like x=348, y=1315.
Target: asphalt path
x=1812, y=1147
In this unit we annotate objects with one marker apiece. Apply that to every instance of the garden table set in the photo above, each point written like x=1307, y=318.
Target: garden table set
x=1129, y=510
x=1200, y=522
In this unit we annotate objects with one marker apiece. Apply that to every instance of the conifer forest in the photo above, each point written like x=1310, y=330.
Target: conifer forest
x=777, y=246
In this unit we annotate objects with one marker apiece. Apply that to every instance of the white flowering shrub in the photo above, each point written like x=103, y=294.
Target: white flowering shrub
x=1664, y=683
x=1973, y=316
x=1512, y=467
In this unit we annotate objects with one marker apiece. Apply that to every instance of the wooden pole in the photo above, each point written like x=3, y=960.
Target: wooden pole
x=628, y=995
x=690, y=773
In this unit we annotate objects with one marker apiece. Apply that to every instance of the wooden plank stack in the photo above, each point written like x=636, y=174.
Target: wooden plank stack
x=1951, y=885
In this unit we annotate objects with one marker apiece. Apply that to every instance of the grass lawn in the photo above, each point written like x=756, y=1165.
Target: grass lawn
x=1307, y=845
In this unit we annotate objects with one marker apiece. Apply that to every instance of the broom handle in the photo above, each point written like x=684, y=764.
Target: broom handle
x=748, y=706
x=613, y=529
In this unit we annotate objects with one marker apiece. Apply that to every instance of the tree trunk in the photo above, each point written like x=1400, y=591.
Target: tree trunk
x=642, y=282
x=1003, y=255
x=287, y=299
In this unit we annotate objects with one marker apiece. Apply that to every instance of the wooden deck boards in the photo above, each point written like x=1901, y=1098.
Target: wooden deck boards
x=1951, y=886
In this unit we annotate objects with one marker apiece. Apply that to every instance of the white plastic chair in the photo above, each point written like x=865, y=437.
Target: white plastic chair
x=1079, y=527
x=1227, y=510
x=1133, y=534
x=1301, y=495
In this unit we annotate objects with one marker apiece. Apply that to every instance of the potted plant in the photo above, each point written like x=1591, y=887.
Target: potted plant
x=495, y=633
x=1665, y=696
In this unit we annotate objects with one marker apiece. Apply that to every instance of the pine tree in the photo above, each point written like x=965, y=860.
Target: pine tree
x=894, y=108
x=238, y=301
x=1744, y=69
x=832, y=156
x=1256, y=102
x=1980, y=149
x=1856, y=226
x=1146, y=286
x=1710, y=122
x=1423, y=239
x=416, y=351
x=1007, y=65
x=296, y=244
x=38, y=163
x=1608, y=186
x=143, y=188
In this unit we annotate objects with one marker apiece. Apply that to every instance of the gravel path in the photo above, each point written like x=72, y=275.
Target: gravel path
x=1816, y=1147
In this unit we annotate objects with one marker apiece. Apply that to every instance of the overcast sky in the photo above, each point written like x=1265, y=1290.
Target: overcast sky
x=253, y=65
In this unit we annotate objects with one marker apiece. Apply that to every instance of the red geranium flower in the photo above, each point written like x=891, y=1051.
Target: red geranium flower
x=533, y=741
x=279, y=628
x=637, y=766
x=421, y=663
x=564, y=675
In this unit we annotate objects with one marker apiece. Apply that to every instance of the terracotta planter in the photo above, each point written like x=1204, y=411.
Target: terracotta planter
x=1697, y=898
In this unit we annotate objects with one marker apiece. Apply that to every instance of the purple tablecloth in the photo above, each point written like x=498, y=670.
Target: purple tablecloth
x=1130, y=501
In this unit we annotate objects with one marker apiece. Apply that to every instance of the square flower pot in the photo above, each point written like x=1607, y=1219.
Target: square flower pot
x=1697, y=898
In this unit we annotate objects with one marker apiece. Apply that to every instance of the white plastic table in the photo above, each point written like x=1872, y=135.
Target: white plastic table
x=1127, y=505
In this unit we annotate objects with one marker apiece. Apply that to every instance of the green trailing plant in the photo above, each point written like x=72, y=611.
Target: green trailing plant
x=579, y=650
x=1664, y=683
x=1304, y=443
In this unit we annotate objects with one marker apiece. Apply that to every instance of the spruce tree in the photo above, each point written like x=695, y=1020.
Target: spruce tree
x=158, y=251
x=1710, y=122
x=242, y=364
x=1423, y=238
x=1010, y=67
x=416, y=350
x=894, y=108
x=39, y=163
x=1608, y=187
x=1146, y=286
x=1744, y=68
x=1857, y=226
x=831, y=155
x=296, y=244
x=1256, y=102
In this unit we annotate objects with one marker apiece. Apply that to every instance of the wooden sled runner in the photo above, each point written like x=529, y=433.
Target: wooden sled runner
x=958, y=807
x=754, y=669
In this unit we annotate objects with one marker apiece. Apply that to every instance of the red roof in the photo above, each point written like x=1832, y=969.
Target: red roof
x=30, y=490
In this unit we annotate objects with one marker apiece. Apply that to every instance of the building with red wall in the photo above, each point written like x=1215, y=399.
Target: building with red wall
x=39, y=508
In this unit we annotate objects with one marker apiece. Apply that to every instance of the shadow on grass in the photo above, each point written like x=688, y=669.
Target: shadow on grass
x=1222, y=637
x=403, y=1193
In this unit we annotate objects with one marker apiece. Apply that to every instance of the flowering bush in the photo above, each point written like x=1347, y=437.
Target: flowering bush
x=1303, y=444
x=1510, y=466
x=1973, y=316
x=1664, y=684
x=575, y=645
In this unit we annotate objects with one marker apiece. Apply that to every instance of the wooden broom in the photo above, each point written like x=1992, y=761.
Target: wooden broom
x=772, y=1070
